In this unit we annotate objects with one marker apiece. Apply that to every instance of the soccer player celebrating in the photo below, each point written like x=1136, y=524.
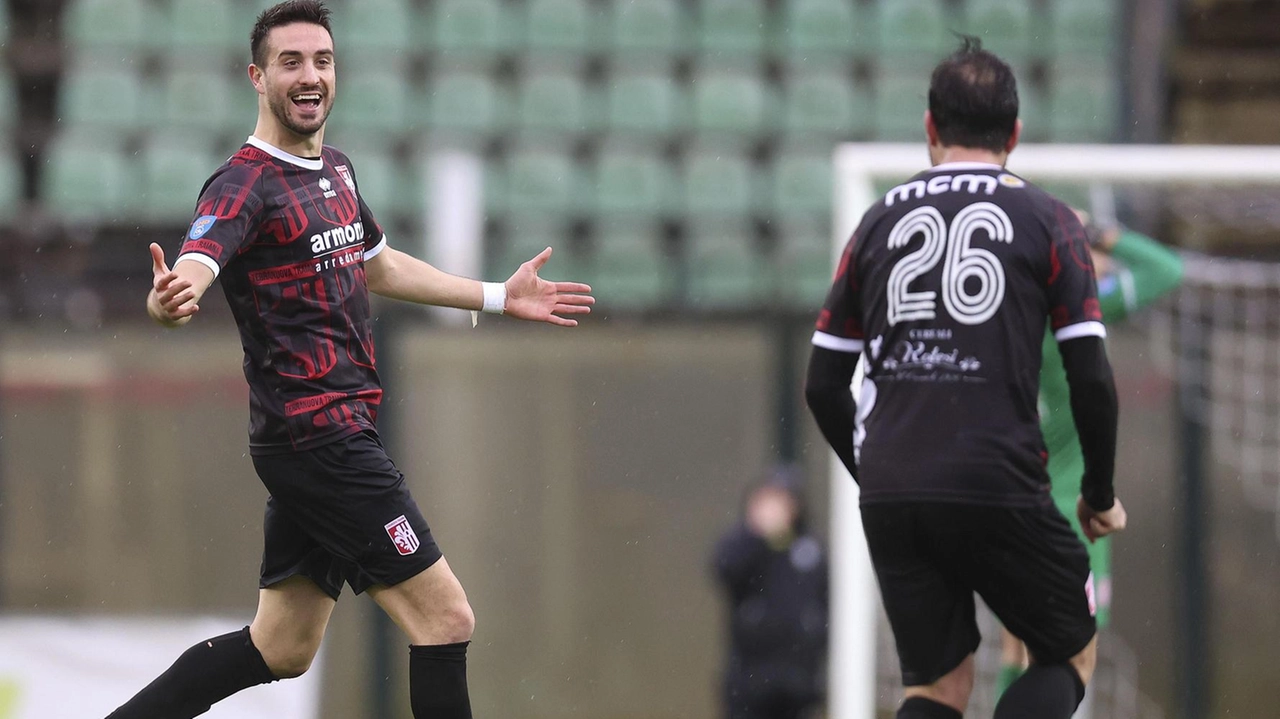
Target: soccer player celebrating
x=283, y=224
x=1142, y=271
x=947, y=285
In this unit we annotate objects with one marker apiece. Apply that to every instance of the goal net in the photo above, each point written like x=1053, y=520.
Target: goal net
x=1216, y=340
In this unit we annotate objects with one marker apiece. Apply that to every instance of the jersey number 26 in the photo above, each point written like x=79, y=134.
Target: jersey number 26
x=962, y=262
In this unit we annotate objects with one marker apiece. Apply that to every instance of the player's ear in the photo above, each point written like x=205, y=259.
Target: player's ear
x=1013, y=138
x=930, y=129
x=255, y=76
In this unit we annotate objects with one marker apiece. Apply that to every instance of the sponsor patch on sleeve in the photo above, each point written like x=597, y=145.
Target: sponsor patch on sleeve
x=201, y=226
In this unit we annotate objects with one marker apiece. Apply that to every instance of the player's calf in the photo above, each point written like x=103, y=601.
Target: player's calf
x=1050, y=691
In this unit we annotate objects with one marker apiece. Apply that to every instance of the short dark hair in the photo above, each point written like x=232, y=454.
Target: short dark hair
x=973, y=98
x=285, y=13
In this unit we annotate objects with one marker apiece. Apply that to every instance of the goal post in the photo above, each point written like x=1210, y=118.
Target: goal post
x=858, y=169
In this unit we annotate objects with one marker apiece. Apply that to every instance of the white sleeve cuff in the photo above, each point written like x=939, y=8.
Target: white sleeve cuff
x=372, y=252
x=1081, y=329
x=839, y=344
x=203, y=259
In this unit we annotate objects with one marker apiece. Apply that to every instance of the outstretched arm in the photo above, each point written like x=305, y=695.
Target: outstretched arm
x=394, y=274
x=175, y=294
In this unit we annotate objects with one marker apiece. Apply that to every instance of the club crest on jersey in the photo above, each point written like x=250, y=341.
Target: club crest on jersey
x=201, y=226
x=1012, y=181
x=403, y=536
x=346, y=176
x=327, y=187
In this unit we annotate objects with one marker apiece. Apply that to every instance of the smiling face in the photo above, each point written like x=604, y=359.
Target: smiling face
x=298, y=81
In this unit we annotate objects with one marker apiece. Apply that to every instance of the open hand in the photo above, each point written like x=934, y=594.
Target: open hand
x=1099, y=524
x=172, y=301
x=529, y=297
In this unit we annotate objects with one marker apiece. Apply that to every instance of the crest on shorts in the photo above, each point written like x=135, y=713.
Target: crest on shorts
x=402, y=535
x=346, y=176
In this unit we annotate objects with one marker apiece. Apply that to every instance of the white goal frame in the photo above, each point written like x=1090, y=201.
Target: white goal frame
x=854, y=597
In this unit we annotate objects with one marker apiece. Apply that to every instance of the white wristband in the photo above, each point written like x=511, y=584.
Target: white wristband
x=495, y=297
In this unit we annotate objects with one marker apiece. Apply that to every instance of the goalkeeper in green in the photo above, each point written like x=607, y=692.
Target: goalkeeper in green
x=1133, y=271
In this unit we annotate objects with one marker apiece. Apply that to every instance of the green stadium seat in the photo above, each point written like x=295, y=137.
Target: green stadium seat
x=558, y=26
x=11, y=187
x=1032, y=112
x=647, y=26
x=725, y=270
x=805, y=265
x=470, y=103
x=823, y=28
x=802, y=185
x=87, y=181
x=645, y=104
x=731, y=27
x=632, y=182
x=390, y=189
x=201, y=100
x=471, y=27
x=630, y=271
x=372, y=100
x=540, y=181
x=1085, y=28
x=372, y=27
x=899, y=107
x=108, y=24
x=718, y=184
x=172, y=171
x=203, y=25
x=554, y=101
x=826, y=104
x=1083, y=109
x=733, y=103
x=101, y=97
x=525, y=239
x=913, y=28
x=1007, y=27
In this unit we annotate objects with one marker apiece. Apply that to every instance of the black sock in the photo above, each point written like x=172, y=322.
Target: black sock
x=921, y=708
x=1045, y=692
x=205, y=674
x=438, y=681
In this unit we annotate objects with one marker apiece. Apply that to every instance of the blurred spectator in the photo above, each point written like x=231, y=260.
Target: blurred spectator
x=774, y=574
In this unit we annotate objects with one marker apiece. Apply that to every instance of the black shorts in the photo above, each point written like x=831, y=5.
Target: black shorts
x=341, y=513
x=1026, y=564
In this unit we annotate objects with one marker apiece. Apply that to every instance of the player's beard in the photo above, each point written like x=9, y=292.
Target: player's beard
x=280, y=106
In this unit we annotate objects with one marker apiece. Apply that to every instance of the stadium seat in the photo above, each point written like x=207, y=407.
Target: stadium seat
x=632, y=182
x=87, y=180
x=823, y=28
x=554, y=101
x=525, y=239
x=647, y=26
x=731, y=27
x=730, y=103
x=802, y=184
x=915, y=29
x=1007, y=27
x=1084, y=28
x=106, y=98
x=805, y=265
x=827, y=104
x=373, y=27
x=172, y=171
x=201, y=100
x=389, y=188
x=539, y=181
x=630, y=271
x=372, y=100
x=470, y=103
x=1032, y=112
x=899, y=107
x=725, y=271
x=645, y=104
x=206, y=26
x=471, y=27
x=558, y=26
x=105, y=24
x=1082, y=109
x=11, y=187
x=718, y=184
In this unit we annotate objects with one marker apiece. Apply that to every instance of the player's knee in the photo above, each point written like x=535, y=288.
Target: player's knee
x=291, y=666
x=459, y=622
x=288, y=658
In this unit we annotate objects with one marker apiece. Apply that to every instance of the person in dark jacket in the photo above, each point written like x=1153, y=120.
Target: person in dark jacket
x=775, y=577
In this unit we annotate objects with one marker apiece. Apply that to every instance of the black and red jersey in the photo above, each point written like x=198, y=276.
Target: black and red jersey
x=946, y=287
x=289, y=237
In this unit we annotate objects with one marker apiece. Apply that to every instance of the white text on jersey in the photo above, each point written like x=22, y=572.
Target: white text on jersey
x=939, y=184
x=337, y=238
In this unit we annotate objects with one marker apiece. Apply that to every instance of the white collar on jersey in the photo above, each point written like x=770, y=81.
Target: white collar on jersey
x=279, y=154
x=948, y=166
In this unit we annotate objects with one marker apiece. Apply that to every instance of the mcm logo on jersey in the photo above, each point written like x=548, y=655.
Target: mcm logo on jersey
x=346, y=176
x=403, y=536
x=327, y=187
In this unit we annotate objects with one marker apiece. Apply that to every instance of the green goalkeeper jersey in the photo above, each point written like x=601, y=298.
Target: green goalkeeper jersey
x=1146, y=270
